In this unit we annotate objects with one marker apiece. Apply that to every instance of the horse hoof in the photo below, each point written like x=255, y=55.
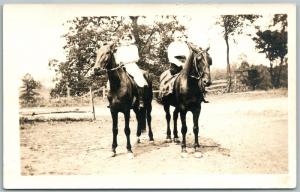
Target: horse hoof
x=130, y=155
x=151, y=141
x=198, y=154
x=138, y=140
x=168, y=140
x=112, y=154
x=184, y=154
x=176, y=140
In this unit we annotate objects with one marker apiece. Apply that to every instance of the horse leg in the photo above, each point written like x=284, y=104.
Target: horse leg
x=139, y=128
x=114, y=116
x=168, y=117
x=148, y=111
x=127, y=133
x=196, y=114
x=143, y=119
x=175, y=132
x=183, y=131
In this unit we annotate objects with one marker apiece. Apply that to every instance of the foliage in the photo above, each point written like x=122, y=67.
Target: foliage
x=28, y=92
x=264, y=77
x=255, y=76
x=242, y=73
x=274, y=44
x=283, y=78
x=233, y=25
x=87, y=34
x=280, y=19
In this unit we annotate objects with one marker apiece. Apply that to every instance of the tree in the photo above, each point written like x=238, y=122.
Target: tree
x=87, y=34
x=28, y=94
x=274, y=44
x=264, y=77
x=242, y=73
x=254, y=76
x=82, y=40
x=232, y=25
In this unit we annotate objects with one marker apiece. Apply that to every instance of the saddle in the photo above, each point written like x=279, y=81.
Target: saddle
x=135, y=93
x=166, y=86
x=145, y=74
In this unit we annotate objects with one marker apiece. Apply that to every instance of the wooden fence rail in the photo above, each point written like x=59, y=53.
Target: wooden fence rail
x=218, y=86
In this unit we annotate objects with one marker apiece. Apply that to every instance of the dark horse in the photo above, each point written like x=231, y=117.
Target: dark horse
x=187, y=95
x=123, y=97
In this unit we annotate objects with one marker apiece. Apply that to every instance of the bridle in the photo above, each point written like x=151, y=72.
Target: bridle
x=112, y=69
x=104, y=68
x=199, y=72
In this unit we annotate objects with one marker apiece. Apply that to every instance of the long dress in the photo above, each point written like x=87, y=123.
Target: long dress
x=129, y=56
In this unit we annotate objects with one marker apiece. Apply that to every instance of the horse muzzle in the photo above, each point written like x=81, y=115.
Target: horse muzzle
x=206, y=82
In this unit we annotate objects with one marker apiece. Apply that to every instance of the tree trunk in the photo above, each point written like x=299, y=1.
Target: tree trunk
x=272, y=74
x=279, y=72
x=135, y=32
x=228, y=65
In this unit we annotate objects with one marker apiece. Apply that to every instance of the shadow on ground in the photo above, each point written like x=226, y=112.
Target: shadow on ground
x=206, y=145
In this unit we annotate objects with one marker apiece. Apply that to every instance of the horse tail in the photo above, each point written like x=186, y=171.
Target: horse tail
x=146, y=114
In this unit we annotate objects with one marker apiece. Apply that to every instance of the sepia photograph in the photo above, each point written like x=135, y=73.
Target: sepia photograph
x=149, y=96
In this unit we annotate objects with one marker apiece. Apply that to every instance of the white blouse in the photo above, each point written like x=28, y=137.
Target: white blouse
x=127, y=54
x=178, y=49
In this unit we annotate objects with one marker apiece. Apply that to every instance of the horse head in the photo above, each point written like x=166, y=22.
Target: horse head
x=203, y=63
x=104, y=56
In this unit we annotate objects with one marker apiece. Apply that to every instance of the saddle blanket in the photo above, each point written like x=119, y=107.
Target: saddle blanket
x=167, y=81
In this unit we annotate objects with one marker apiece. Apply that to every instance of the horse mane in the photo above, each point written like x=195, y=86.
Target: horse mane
x=188, y=63
x=196, y=62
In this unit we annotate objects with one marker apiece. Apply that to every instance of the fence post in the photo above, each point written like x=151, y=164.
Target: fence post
x=92, y=102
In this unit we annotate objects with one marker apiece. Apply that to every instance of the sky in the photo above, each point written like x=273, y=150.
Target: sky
x=33, y=35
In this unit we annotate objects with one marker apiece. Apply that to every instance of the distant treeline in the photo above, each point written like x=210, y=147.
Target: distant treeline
x=256, y=76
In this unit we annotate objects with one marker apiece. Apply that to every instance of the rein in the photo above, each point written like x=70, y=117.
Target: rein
x=115, y=68
x=112, y=69
x=196, y=68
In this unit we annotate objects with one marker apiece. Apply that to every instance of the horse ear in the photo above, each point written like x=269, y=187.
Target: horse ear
x=207, y=48
x=112, y=46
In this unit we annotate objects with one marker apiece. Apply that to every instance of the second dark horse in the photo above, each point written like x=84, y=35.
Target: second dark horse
x=187, y=96
x=123, y=97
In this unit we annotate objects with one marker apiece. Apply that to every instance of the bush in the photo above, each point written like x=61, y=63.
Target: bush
x=254, y=76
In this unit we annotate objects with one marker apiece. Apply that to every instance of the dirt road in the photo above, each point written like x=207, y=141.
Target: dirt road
x=239, y=133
